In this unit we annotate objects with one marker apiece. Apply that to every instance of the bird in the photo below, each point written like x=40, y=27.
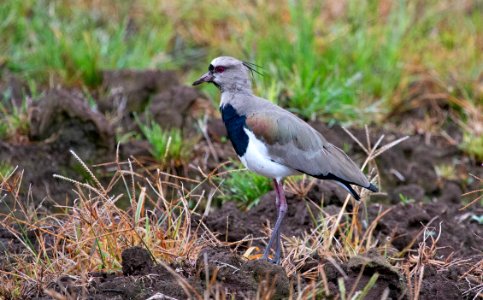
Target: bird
x=274, y=142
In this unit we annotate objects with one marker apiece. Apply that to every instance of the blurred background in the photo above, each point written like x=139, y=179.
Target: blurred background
x=346, y=60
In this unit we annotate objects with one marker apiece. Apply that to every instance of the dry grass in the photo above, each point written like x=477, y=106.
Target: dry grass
x=426, y=257
x=91, y=234
x=477, y=192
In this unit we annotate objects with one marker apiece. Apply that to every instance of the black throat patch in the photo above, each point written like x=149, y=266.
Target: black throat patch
x=235, y=124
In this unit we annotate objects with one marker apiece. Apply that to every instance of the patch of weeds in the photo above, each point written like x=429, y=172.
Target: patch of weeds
x=473, y=145
x=5, y=170
x=167, y=146
x=94, y=225
x=446, y=171
x=13, y=118
x=244, y=186
x=405, y=200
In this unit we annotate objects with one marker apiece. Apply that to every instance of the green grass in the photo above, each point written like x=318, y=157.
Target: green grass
x=52, y=39
x=405, y=200
x=13, y=118
x=331, y=69
x=348, y=67
x=473, y=145
x=244, y=186
x=5, y=170
x=167, y=146
x=354, y=65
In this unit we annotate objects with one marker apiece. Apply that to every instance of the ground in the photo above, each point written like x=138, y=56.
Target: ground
x=412, y=238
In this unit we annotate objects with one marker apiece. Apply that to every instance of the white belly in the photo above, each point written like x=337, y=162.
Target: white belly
x=257, y=160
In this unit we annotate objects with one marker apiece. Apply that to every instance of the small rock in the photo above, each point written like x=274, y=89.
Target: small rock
x=273, y=275
x=136, y=261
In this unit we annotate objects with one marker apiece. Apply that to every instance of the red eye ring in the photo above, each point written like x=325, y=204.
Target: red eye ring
x=219, y=69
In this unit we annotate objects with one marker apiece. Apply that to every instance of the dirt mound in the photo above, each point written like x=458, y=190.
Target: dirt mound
x=447, y=284
x=136, y=261
x=131, y=90
x=361, y=268
x=141, y=278
x=240, y=277
x=59, y=121
x=179, y=107
x=65, y=116
x=159, y=93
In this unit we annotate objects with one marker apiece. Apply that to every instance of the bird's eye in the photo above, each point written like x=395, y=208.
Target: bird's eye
x=219, y=69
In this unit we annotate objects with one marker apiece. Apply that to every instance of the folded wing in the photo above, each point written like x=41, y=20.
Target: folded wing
x=294, y=143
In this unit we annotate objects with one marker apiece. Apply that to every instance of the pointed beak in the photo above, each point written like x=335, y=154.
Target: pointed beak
x=207, y=77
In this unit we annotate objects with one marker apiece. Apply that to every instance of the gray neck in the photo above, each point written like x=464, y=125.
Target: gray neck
x=237, y=85
x=235, y=97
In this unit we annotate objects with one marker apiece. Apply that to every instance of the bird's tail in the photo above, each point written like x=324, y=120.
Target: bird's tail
x=372, y=188
x=346, y=184
x=349, y=188
x=354, y=194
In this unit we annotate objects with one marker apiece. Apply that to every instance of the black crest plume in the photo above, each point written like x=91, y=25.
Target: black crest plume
x=253, y=68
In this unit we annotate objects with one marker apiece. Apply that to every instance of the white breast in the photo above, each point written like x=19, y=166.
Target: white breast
x=256, y=159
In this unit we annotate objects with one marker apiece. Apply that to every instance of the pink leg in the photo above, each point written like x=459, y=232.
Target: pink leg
x=282, y=210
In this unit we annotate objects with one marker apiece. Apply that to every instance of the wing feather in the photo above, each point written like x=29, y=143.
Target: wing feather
x=294, y=143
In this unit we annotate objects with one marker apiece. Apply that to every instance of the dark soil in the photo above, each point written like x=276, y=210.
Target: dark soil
x=63, y=120
x=60, y=121
x=141, y=278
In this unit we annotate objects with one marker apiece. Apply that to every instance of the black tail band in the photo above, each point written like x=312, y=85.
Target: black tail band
x=346, y=184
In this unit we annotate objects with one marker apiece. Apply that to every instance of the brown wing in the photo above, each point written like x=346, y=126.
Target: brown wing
x=294, y=143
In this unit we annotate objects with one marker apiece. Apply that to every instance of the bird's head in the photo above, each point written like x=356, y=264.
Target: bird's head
x=228, y=74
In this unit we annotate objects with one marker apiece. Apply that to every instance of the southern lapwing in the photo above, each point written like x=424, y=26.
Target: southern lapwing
x=274, y=142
